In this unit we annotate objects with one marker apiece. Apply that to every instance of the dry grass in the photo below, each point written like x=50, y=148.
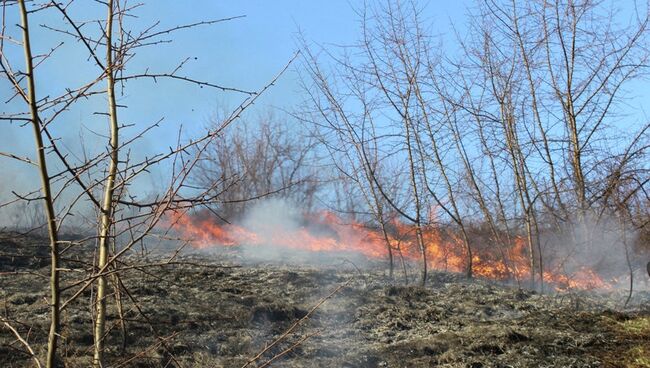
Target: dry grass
x=220, y=317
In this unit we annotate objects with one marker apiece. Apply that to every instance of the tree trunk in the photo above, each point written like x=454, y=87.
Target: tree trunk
x=107, y=204
x=48, y=199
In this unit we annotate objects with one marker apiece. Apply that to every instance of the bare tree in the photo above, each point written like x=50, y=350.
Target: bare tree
x=73, y=187
x=48, y=198
x=262, y=157
x=530, y=112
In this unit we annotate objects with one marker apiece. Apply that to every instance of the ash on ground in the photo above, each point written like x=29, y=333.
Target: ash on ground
x=204, y=311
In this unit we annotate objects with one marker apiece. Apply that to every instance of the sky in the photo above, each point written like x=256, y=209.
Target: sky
x=244, y=53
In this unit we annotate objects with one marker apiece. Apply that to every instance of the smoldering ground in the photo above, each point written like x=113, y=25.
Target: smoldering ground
x=213, y=311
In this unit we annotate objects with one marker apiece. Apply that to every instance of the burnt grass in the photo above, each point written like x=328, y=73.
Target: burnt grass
x=216, y=311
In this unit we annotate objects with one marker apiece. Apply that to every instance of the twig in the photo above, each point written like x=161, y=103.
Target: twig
x=157, y=76
x=152, y=347
x=288, y=350
x=22, y=341
x=296, y=324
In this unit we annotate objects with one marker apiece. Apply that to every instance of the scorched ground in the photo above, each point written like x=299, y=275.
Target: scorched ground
x=216, y=311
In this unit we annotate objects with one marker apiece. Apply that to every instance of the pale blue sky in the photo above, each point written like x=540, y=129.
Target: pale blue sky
x=243, y=53
x=247, y=52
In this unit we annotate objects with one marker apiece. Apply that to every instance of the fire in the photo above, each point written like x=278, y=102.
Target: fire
x=327, y=232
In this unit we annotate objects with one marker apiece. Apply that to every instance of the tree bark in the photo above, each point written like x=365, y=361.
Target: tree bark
x=106, y=216
x=48, y=199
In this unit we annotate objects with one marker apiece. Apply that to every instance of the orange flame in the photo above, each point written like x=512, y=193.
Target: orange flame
x=444, y=249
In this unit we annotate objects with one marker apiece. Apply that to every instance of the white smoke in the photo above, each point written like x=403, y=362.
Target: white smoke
x=274, y=221
x=271, y=216
x=604, y=245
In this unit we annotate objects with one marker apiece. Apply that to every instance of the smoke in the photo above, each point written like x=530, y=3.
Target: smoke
x=595, y=253
x=268, y=218
x=271, y=216
x=277, y=230
x=603, y=246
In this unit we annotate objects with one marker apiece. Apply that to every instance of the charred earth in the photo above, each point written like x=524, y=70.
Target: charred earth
x=207, y=311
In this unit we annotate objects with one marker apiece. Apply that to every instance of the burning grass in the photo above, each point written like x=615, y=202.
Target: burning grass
x=219, y=312
x=274, y=230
